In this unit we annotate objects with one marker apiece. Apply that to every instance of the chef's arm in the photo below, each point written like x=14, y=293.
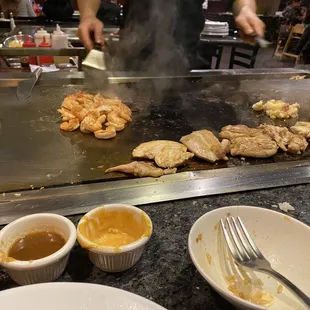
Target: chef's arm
x=246, y=19
x=89, y=22
x=239, y=4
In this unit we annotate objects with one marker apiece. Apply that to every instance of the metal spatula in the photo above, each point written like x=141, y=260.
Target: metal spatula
x=262, y=42
x=24, y=88
x=94, y=67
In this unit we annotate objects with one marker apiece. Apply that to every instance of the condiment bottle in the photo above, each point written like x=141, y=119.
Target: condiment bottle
x=38, y=37
x=12, y=22
x=60, y=40
x=45, y=59
x=30, y=59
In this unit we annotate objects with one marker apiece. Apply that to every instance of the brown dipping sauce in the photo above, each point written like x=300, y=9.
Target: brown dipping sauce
x=36, y=245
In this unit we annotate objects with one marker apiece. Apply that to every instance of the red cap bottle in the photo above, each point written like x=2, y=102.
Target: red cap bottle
x=29, y=44
x=45, y=59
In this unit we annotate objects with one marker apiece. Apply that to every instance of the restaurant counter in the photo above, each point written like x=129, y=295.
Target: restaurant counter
x=165, y=273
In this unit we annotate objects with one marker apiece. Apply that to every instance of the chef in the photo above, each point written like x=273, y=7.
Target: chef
x=163, y=36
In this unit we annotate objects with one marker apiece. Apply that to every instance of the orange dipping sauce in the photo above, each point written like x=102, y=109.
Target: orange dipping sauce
x=113, y=228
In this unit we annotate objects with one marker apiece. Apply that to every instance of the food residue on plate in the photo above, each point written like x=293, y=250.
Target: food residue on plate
x=199, y=238
x=209, y=258
x=280, y=289
x=113, y=228
x=277, y=108
x=250, y=290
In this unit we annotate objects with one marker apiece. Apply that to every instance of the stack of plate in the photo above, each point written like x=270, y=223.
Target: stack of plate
x=215, y=28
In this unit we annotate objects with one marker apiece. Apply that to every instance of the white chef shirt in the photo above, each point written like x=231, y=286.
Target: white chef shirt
x=205, y=5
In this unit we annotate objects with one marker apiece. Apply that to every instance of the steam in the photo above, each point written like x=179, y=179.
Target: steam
x=149, y=43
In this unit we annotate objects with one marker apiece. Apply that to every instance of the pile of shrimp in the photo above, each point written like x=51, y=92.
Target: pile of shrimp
x=94, y=114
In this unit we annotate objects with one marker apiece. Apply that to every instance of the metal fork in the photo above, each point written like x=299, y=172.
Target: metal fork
x=246, y=253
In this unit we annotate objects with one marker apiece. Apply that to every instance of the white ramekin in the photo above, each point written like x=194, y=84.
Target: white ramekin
x=107, y=258
x=41, y=270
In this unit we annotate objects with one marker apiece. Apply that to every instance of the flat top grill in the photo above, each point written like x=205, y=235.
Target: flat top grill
x=34, y=152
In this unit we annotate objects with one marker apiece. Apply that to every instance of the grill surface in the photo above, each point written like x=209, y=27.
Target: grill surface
x=33, y=151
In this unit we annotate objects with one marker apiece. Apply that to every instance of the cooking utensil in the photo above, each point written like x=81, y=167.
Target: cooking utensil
x=94, y=67
x=246, y=253
x=24, y=88
x=262, y=42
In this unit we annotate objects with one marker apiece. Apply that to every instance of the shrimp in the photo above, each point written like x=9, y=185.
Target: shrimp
x=104, y=109
x=79, y=112
x=93, y=121
x=66, y=115
x=90, y=112
x=116, y=126
x=107, y=133
x=71, y=125
x=69, y=102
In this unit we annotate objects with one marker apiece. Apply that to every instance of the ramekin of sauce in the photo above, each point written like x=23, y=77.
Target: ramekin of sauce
x=114, y=236
x=36, y=248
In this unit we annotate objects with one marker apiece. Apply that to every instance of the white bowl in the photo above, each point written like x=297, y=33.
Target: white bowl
x=283, y=240
x=111, y=259
x=41, y=270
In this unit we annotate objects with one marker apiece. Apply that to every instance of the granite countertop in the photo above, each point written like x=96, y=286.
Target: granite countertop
x=165, y=273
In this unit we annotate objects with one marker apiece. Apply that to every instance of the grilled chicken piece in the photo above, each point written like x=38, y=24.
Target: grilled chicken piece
x=302, y=128
x=286, y=140
x=142, y=169
x=205, y=145
x=259, y=147
x=234, y=131
x=277, y=109
x=249, y=142
x=167, y=154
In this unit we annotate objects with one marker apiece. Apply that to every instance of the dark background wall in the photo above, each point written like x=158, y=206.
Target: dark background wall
x=216, y=6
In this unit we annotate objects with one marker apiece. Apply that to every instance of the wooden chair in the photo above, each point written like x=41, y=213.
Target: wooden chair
x=283, y=34
x=243, y=56
x=295, y=33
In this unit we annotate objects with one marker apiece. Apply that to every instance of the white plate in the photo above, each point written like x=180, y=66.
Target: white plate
x=73, y=296
x=282, y=239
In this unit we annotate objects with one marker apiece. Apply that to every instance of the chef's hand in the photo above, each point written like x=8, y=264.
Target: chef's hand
x=249, y=24
x=90, y=25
